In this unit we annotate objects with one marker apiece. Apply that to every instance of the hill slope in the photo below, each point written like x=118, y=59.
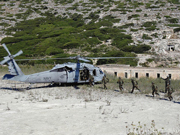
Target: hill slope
x=93, y=28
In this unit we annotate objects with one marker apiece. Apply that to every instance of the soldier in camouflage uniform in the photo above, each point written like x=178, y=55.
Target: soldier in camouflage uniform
x=154, y=89
x=121, y=82
x=170, y=91
x=105, y=80
x=91, y=80
x=135, y=85
x=167, y=81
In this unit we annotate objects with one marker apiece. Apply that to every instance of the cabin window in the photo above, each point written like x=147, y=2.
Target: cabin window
x=126, y=75
x=84, y=74
x=94, y=72
x=136, y=75
x=147, y=75
x=115, y=73
x=158, y=75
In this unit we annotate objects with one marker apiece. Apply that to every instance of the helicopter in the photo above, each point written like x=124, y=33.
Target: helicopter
x=67, y=73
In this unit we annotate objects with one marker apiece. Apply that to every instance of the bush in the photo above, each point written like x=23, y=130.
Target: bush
x=149, y=24
x=120, y=40
x=53, y=51
x=92, y=15
x=176, y=30
x=145, y=36
x=174, y=1
x=136, y=49
x=173, y=20
x=70, y=45
x=93, y=41
x=126, y=25
x=133, y=16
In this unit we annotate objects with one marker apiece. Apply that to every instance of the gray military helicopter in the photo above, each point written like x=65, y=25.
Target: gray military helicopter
x=66, y=73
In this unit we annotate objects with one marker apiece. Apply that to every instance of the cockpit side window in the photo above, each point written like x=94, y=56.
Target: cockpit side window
x=100, y=71
x=68, y=69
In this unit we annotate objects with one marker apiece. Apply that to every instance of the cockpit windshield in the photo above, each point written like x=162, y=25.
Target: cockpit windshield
x=58, y=70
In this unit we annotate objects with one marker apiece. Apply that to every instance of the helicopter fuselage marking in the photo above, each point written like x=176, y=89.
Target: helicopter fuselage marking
x=47, y=78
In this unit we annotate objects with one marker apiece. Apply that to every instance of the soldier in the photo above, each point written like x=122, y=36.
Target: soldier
x=135, y=85
x=154, y=89
x=91, y=80
x=85, y=73
x=170, y=91
x=105, y=80
x=167, y=81
x=121, y=82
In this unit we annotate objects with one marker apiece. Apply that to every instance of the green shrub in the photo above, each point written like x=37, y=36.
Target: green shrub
x=136, y=49
x=155, y=35
x=173, y=25
x=134, y=30
x=173, y=20
x=53, y=51
x=149, y=24
x=133, y=16
x=120, y=40
x=93, y=41
x=145, y=36
x=176, y=30
x=152, y=28
x=174, y=1
x=70, y=45
x=126, y=25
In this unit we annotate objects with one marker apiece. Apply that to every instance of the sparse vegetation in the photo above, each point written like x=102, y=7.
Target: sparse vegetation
x=86, y=25
x=143, y=129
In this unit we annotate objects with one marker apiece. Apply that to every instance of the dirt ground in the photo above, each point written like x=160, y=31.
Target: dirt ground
x=84, y=111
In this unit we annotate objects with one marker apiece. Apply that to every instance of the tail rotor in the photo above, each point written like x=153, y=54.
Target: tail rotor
x=13, y=67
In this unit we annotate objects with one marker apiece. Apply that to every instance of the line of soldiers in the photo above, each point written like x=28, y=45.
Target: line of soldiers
x=168, y=88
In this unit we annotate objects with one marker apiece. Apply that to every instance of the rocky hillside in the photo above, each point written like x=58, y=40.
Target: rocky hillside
x=151, y=23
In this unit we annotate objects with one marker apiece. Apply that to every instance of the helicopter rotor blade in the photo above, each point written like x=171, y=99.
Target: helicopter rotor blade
x=40, y=59
x=17, y=54
x=109, y=57
x=6, y=49
x=85, y=59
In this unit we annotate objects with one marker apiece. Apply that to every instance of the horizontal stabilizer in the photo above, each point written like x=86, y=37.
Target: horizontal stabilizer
x=6, y=59
x=2, y=62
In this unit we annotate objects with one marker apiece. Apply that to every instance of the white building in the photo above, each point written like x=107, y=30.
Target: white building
x=138, y=72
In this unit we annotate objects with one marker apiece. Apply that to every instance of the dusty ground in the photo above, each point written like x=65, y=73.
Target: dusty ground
x=84, y=111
